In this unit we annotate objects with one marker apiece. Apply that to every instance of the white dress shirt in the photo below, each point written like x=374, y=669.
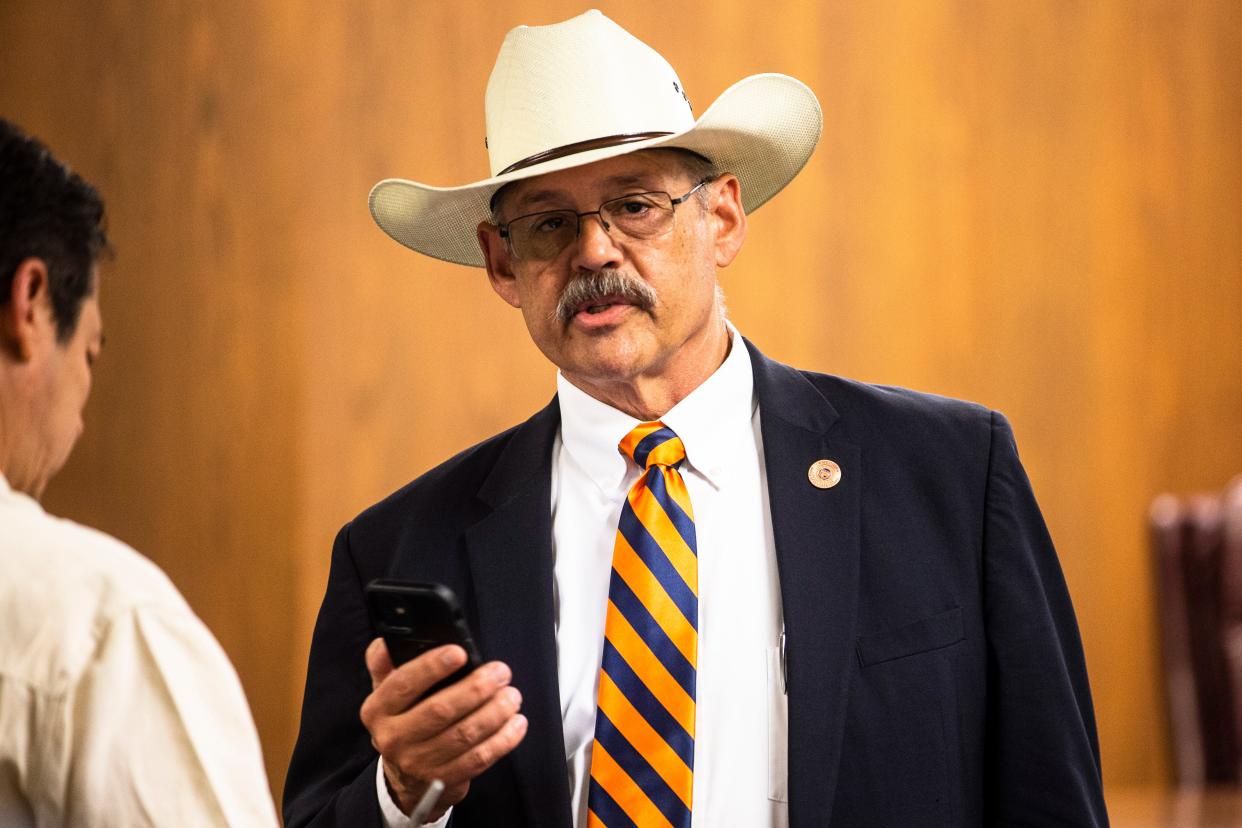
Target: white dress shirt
x=117, y=706
x=739, y=753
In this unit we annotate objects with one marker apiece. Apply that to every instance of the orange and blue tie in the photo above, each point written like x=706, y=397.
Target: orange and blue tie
x=642, y=760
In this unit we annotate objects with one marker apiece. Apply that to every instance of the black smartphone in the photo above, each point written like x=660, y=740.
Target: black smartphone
x=413, y=617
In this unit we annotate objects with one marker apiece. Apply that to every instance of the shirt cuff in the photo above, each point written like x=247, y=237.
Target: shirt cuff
x=393, y=818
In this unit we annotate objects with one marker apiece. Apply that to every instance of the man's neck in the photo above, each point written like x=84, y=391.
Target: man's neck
x=13, y=453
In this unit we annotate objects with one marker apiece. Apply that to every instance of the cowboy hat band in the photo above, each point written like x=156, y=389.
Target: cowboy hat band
x=552, y=104
x=580, y=146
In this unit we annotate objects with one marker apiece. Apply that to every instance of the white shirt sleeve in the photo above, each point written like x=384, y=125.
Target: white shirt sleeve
x=393, y=818
x=157, y=732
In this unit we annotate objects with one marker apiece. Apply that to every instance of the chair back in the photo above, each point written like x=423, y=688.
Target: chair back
x=1197, y=547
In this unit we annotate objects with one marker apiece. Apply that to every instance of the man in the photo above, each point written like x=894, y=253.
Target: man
x=717, y=590
x=117, y=707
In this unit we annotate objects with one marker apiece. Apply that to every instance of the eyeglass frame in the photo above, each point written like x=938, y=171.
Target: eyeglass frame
x=673, y=202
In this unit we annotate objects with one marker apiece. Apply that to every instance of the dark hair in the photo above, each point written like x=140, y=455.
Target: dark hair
x=47, y=211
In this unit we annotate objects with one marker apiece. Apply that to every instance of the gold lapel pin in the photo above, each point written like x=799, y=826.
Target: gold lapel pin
x=824, y=474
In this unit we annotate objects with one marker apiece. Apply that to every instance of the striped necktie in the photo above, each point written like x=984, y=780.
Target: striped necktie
x=642, y=761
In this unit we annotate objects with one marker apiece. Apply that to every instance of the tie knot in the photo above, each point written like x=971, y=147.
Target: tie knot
x=653, y=444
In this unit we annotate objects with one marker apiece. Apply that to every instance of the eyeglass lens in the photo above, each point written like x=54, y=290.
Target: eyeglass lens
x=543, y=236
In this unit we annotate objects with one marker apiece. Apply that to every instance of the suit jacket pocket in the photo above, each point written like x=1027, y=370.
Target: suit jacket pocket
x=931, y=633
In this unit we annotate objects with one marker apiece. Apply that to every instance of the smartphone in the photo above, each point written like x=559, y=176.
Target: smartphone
x=413, y=617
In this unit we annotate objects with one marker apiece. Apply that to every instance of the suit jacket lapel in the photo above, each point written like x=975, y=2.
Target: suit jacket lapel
x=510, y=553
x=817, y=547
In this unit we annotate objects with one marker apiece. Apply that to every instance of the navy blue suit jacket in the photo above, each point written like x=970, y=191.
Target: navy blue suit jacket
x=935, y=671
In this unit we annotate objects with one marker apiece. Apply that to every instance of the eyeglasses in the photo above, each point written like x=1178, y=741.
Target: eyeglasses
x=638, y=216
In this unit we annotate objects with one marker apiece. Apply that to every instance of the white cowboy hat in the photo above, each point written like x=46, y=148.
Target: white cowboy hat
x=583, y=90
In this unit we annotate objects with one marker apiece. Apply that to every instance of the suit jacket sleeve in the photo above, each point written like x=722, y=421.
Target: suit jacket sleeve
x=1043, y=756
x=331, y=778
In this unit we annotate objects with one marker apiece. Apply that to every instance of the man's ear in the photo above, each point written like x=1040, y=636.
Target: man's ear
x=726, y=210
x=26, y=308
x=499, y=263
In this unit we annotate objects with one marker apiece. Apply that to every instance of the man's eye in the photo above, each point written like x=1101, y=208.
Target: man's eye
x=549, y=224
x=634, y=207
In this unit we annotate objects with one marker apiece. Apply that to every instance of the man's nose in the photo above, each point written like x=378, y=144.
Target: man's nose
x=595, y=249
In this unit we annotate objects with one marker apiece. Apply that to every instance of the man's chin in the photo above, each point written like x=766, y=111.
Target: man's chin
x=605, y=366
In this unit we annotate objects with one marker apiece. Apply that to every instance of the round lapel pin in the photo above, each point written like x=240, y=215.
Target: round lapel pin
x=824, y=474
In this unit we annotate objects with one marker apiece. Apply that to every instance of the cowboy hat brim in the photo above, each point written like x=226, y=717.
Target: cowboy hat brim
x=762, y=129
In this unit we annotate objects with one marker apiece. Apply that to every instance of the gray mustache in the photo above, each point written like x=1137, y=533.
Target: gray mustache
x=590, y=287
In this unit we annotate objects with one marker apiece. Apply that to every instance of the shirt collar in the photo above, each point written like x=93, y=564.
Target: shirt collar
x=709, y=422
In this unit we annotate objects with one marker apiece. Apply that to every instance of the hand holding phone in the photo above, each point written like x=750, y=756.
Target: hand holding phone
x=472, y=721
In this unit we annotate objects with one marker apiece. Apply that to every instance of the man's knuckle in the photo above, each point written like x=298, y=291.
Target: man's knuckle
x=440, y=711
x=465, y=735
x=479, y=759
x=390, y=739
x=482, y=686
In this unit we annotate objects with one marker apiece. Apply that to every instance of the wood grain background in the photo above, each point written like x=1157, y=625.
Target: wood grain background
x=1037, y=206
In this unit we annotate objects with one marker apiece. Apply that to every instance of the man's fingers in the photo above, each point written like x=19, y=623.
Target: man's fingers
x=466, y=750
x=379, y=664
x=441, y=711
x=481, y=757
x=474, y=729
x=401, y=687
x=444, y=725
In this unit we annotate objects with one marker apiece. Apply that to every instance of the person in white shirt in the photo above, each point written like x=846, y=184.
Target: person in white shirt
x=117, y=706
x=715, y=590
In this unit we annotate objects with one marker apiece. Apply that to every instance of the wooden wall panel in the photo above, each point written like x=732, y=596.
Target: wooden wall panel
x=1036, y=206
x=191, y=447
